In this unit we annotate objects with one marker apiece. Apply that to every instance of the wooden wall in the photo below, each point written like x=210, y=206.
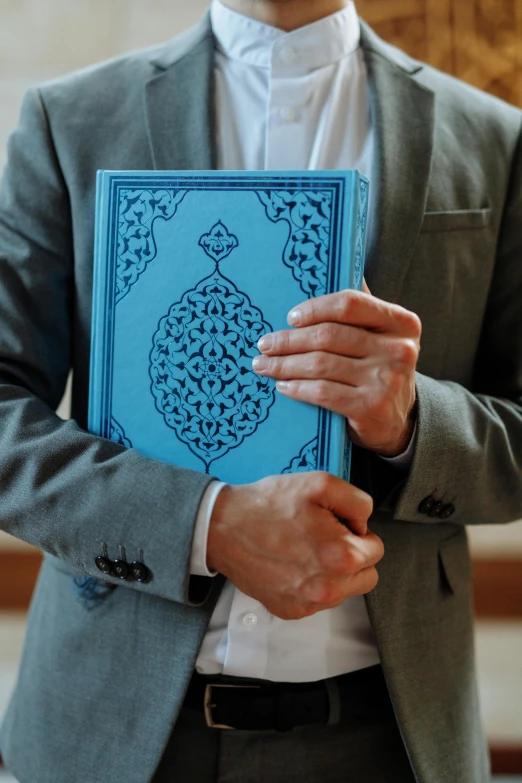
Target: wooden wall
x=479, y=41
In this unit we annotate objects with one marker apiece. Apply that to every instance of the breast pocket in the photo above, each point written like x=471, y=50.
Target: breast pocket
x=458, y=220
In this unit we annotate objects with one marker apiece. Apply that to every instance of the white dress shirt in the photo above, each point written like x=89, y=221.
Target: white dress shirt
x=295, y=100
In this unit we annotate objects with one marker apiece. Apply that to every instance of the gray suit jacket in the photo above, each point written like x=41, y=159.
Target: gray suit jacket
x=102, y=681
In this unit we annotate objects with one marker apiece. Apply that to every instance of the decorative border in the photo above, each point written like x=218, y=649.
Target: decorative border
x=122, y=183
x=360, y=233
x=305, y=461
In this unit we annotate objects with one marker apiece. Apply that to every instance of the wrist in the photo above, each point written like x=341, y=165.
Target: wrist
x=404, y=439
x=215, y=539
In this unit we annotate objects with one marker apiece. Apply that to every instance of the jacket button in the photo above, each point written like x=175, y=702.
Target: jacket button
x=140, y=572
x=120, y=569
x=447, y=511
x=427, y=504
x=436, y=509
x=104, y=565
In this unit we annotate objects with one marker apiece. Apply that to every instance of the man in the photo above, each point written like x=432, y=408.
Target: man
x=328, y=686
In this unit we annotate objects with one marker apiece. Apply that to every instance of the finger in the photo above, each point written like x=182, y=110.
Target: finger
x=336, y=338
x=357, y=309
x=351, y=553
x=315, y=365
x=336, y=397
x=326, y=594
x=342, y=500
x=365, y=551
x=365, y=288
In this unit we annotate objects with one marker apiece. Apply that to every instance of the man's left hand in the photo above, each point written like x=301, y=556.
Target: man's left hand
x=355, y=355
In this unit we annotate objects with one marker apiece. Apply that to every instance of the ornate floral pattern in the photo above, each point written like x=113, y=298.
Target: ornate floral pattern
x=306, y=461
x=91, y=592
x=138, y=210
x=201, y=362
x=307, y=250
x=347, y=461
x=118, y=434
x=218, y=243
x=360, y=235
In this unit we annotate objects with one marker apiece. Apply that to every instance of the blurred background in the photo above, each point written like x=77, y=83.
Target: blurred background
x=479, y=41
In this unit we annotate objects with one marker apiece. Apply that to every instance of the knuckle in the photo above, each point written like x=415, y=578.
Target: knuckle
x=410, y=322
x=318, y=363
x=275, y=365
x=321, y=483
x=352, y=560
x=282, y=340
x=332, y=555
x=366, y=504
x=347, y=303
x=408, y=352
x=323, y=335
x=322, y=593
x=391, y=381
x=301, y=611
x=322, y=393
x=415, y=323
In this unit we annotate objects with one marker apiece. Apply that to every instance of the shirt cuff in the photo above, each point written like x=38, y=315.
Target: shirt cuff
x=404, y=460
x=198, y=557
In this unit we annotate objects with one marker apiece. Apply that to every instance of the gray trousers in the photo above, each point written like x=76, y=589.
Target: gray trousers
x=369, y=750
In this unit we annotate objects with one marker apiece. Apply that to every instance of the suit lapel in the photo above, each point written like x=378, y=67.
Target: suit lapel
x=403, y=121
x=179, y=103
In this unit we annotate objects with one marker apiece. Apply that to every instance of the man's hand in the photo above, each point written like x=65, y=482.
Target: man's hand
x=280, y=541
x=353, y=354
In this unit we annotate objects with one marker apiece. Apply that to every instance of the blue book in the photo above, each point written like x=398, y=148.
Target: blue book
x=191, y=269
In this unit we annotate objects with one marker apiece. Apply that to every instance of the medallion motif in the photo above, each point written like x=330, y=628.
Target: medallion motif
x=201, y=361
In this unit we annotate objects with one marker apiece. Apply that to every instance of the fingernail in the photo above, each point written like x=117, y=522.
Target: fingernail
x=260, y=363
x=266, y=342
x=284, y=386
x=294, y=317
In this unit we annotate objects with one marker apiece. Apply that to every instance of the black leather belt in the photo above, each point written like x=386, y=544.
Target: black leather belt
x=259, y=705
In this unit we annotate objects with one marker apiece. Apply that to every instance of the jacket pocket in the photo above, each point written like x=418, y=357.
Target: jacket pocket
x=459, y=220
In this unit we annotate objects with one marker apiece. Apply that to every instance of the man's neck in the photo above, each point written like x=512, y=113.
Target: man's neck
x=287, y=14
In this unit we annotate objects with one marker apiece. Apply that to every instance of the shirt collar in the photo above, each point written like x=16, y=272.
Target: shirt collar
x=303, y=50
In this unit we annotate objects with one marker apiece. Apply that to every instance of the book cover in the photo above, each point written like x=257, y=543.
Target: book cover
x=191, y=269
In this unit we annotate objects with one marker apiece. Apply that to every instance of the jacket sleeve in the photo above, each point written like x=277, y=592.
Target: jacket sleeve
x=468, y=450
x=61, y=488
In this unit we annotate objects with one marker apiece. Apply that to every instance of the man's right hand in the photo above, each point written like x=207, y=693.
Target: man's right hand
x=280, y=541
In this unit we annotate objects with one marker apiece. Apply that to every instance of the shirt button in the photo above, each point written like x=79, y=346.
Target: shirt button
x=288, y=114
x=250, y=620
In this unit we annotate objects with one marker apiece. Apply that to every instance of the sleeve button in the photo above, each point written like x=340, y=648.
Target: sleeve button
x=447, y=511
x=436, y=509
x=120, y=569
x=104, y=565
x=427, y=505
x=140, y=572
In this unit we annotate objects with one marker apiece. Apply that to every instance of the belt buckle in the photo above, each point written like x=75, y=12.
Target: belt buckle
x=208, y=706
